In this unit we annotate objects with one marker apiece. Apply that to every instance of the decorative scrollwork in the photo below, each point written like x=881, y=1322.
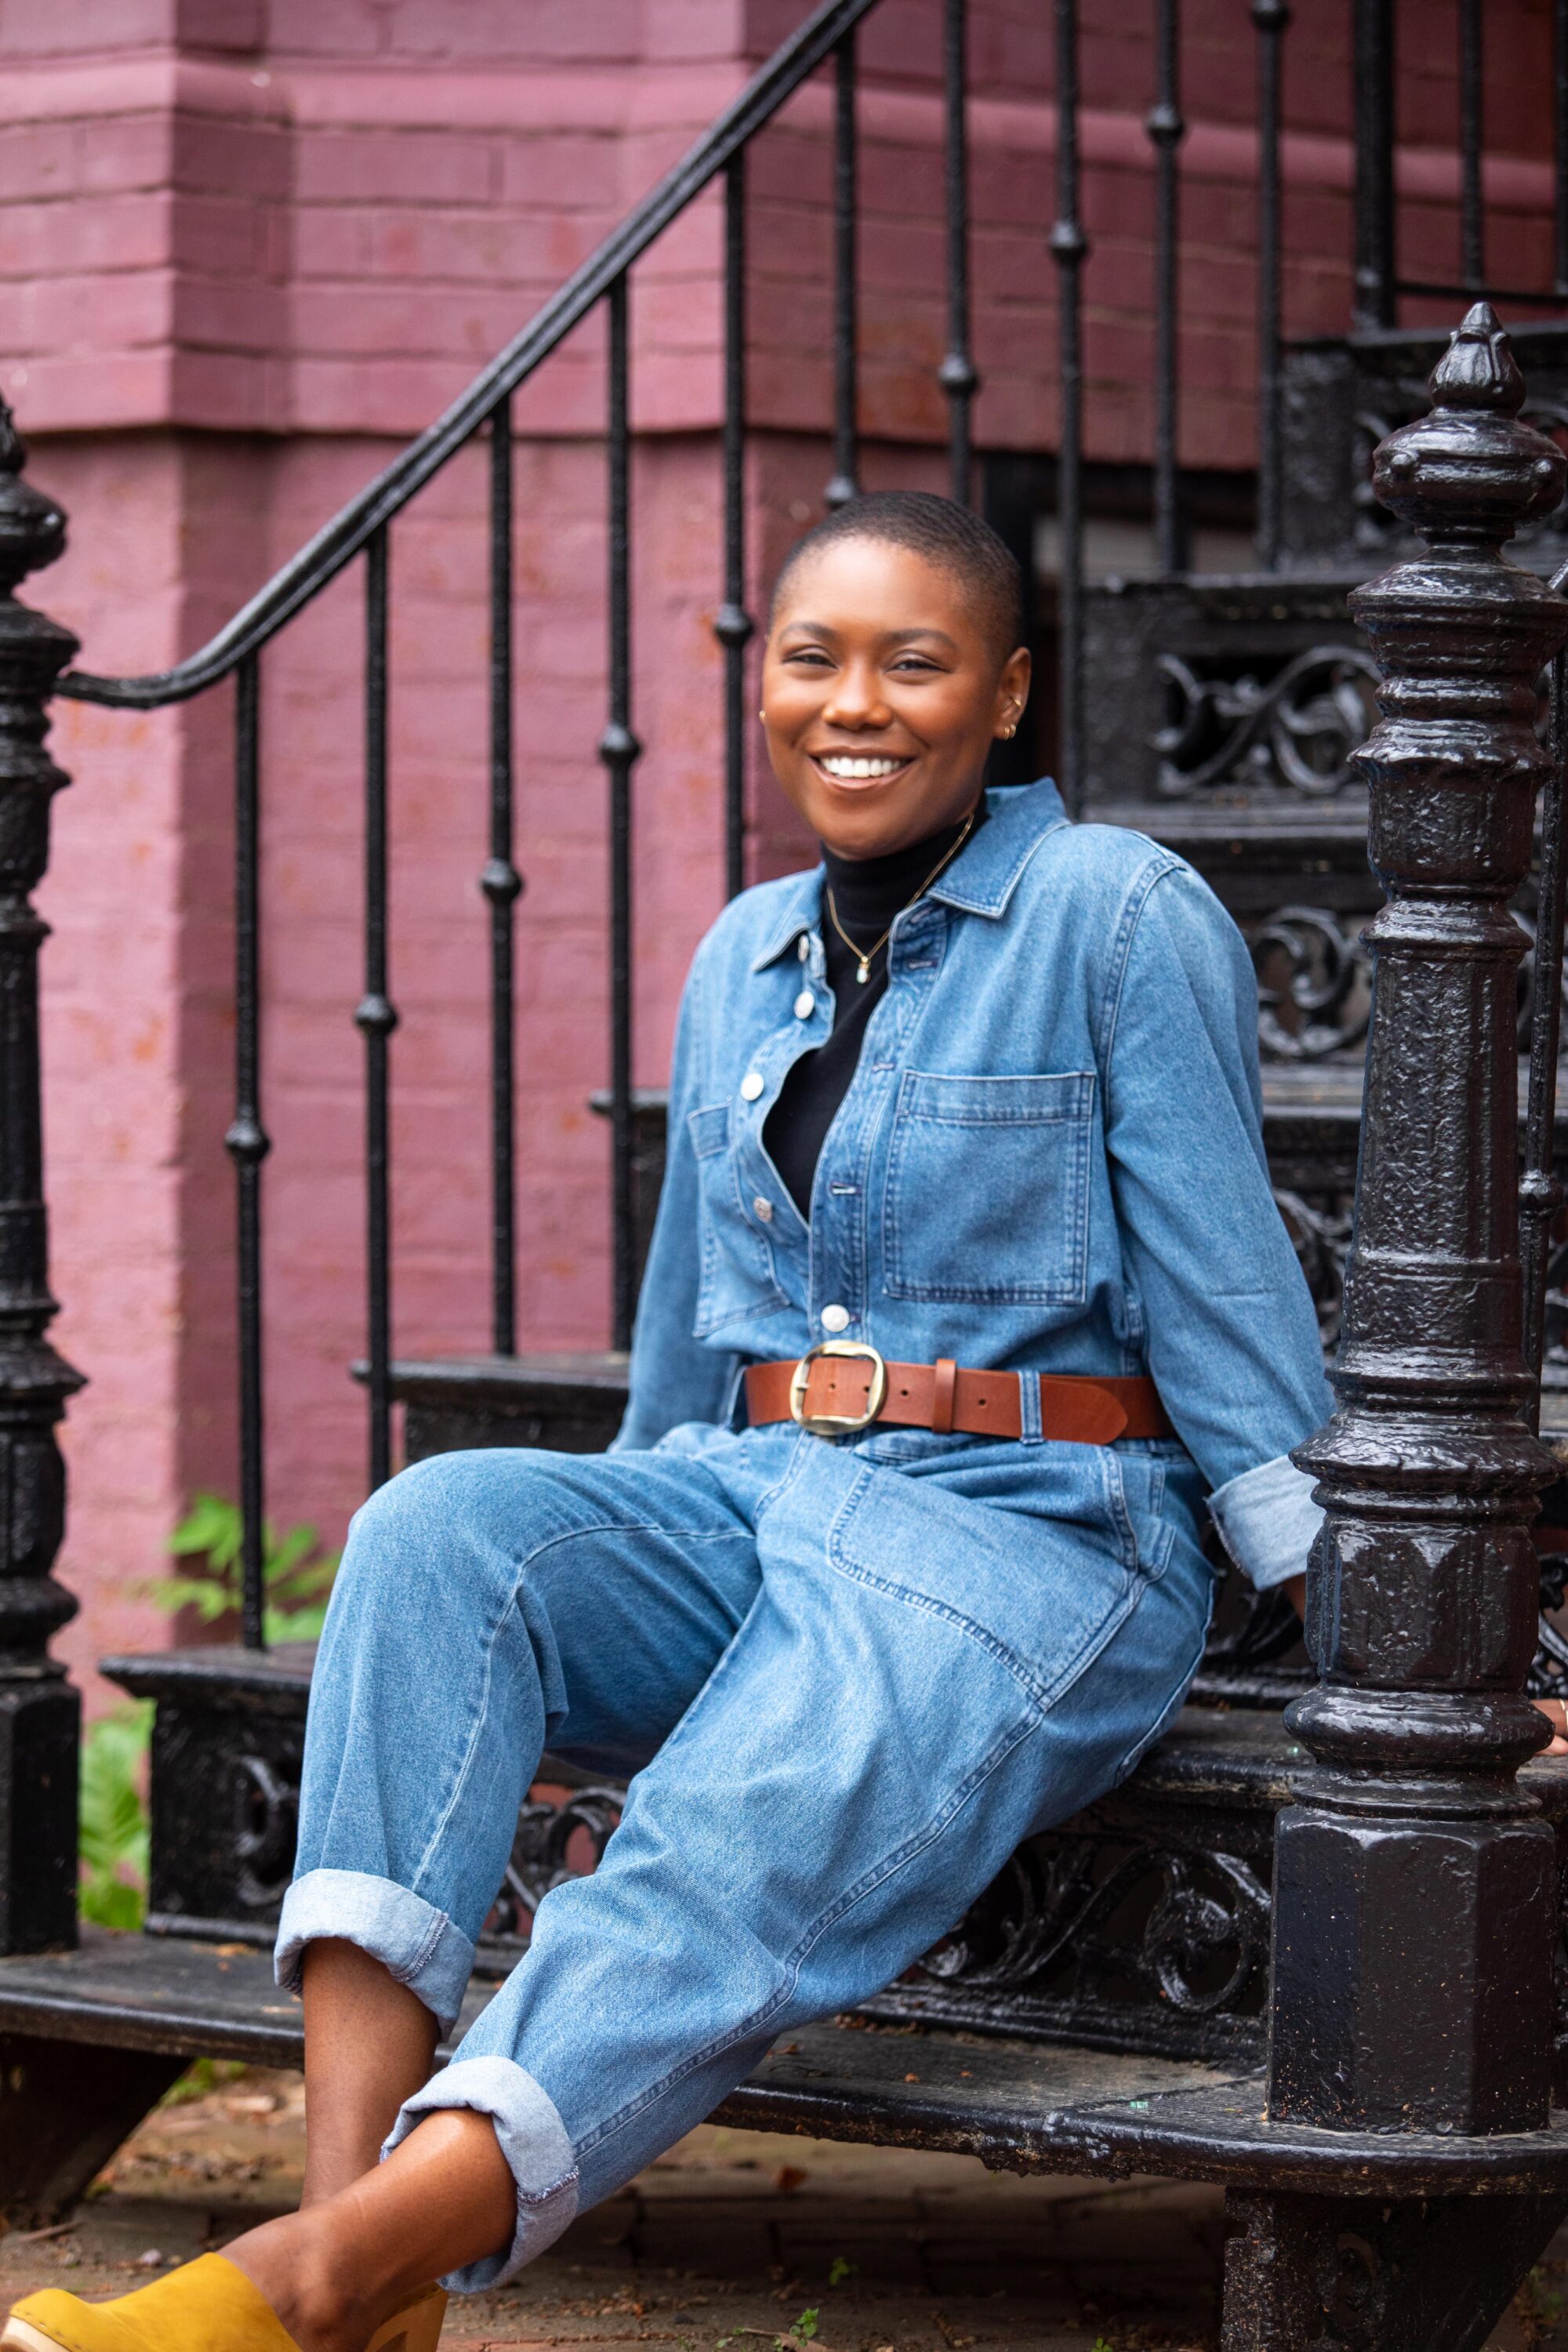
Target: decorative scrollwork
x=1321, y=1238
x=1188, y=1929
x=542, y=1857
x=266, y=1829
x=1295, y=731
x=1314, y=986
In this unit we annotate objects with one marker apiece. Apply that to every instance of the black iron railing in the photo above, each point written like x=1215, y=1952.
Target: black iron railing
x=364, y=528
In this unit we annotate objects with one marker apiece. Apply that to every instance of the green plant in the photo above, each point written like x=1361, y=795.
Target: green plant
x=297, y=1574
x=841, y=2269
x=112, y=1842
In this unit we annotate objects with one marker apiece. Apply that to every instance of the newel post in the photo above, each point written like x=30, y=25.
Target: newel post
x=40, y=1712
x=1415, y=1883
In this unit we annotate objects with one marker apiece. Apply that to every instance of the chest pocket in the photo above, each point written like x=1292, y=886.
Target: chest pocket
x=987, y=1188
x=737, y=1277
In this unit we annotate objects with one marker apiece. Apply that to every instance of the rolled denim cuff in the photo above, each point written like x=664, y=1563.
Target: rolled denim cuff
x=1268, y=1521
x=414, y=1943
x=534, y=2142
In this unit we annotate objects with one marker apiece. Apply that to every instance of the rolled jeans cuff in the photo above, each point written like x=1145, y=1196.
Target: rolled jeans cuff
x=415, y=1944
x=534, y=2142
x=1268, y=1521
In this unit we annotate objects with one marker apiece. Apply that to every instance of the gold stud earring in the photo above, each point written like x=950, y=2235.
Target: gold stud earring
x=763, y=717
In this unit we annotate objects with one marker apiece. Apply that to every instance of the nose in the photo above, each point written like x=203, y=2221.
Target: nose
x=857, y=700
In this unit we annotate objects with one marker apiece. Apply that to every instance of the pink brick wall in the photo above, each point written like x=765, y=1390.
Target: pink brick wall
x=246, y=245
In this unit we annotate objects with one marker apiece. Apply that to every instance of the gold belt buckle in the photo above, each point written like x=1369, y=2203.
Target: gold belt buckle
x=837, y=1424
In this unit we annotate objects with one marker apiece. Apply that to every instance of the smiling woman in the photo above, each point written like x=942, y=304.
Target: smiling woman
x=966, y=1291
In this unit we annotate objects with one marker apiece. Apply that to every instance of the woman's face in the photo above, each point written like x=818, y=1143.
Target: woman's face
x=881, y=696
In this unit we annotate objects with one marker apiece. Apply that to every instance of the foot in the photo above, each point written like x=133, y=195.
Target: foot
x=295, y=2262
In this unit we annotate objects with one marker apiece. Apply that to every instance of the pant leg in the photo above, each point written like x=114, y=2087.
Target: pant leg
x=923, y=1679
x=487, y=1602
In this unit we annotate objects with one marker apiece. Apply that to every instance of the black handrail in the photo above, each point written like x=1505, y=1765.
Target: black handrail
x=339, y=542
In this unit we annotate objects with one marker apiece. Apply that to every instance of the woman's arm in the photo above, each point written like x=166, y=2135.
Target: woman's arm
x=674, y=1378
x=1231, y=1335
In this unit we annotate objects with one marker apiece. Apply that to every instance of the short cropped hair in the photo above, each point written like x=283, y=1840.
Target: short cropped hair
x=947, y=535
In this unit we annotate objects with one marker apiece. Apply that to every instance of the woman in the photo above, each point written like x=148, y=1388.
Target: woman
x=977, y=1102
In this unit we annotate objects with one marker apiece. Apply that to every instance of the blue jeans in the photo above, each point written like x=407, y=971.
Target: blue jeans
x=847, y=1677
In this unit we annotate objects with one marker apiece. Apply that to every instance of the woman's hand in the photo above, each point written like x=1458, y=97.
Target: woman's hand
x=1556, y=1714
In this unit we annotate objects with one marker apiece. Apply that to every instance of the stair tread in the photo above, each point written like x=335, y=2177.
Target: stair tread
x=1023, y=2105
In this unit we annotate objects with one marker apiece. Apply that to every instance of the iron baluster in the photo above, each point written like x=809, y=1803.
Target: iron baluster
x=1472, y=215
x=957, y=374
x=1417, y=2015
x=1560, y=146
x=1069, y=246
x=733, y=624
x=246, y=1141
x=1271, y=17
x=377, y=1020
x=1165, y=128
x=337, y=543
x=619, y=748
x=40, y=1713
x=1540, y=1190
x=1374, y=301
x=502, y=885
x=844, y=482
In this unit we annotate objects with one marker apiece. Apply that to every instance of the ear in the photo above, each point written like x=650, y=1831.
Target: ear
x=1012, y=692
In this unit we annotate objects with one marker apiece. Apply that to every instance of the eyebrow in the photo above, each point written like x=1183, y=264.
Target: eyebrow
x=893, y=636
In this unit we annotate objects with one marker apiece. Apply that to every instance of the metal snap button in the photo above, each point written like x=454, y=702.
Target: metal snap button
x=836, y=1318
x=751, y=1086
x=804, y=1005
x=764, y=1208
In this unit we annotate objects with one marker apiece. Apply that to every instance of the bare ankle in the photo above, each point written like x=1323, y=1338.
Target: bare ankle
x=293, y=2263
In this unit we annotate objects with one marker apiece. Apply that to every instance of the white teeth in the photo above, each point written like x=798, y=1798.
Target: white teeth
x=849, y=770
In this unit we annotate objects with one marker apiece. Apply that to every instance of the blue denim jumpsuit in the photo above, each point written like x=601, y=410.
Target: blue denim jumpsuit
x=848, y=1675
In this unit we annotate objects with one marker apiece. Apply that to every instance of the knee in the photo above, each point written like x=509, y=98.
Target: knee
x=422, y=1520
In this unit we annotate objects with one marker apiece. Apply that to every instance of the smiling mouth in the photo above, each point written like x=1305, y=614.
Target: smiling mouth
x=858, y=767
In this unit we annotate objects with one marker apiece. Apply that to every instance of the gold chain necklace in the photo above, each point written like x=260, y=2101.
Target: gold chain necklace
x=866, y=954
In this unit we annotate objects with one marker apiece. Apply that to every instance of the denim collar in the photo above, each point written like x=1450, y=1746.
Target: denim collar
x=982, y=881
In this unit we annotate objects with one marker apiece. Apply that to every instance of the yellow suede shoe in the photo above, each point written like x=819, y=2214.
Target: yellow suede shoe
x=208, y=2306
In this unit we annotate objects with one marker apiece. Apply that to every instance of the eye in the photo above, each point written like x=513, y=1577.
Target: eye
x=919, y=664
x=811, y=655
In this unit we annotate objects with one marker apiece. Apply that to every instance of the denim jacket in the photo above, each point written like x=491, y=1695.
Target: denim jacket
x=1050, y=1159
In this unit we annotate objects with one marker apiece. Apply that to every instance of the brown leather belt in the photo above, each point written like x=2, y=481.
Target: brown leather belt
x=842, y=1385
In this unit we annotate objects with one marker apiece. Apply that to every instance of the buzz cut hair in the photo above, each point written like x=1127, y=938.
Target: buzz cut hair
x=946, y=535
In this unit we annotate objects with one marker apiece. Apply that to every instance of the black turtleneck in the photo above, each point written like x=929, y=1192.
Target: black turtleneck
x=867, y=892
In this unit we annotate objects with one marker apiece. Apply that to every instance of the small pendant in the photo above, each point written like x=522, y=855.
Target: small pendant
x=864, y=974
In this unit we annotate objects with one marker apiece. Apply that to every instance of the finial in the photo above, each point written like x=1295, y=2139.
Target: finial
x=1478, y=369
x=32, y=527
x=1469, y=474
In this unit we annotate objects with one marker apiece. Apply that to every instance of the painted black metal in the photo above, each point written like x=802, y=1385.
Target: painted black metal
x=1541, y=1188
x=1560, y=145
x=619, y=750
x=1166, y=129
x=39, y=1711
x=1270, y=18
x=1069, y=249
x=1414, y=2275
x=1392, y=2013
x=732, y=624
x=958, y=375
x=65, y=2107
x=376, y=1018
x=341, y=540
x=1472, y=89
x=502, y=885
x=1373, y=99
x=845, y=480
x=246, y=1141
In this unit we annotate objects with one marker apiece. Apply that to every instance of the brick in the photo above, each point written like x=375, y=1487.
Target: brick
x=408, y=167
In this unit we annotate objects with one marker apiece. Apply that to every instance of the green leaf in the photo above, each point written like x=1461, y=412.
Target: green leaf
x=805, y=2327
x=112, y=1839
x=839, y=2270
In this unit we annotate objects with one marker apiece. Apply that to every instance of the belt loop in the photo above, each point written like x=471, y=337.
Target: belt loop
x=942, y=1396
x=1030, y=1426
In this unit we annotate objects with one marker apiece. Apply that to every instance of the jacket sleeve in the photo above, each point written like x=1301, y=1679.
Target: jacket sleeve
x=1230, y=1331
x=674, y=1378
